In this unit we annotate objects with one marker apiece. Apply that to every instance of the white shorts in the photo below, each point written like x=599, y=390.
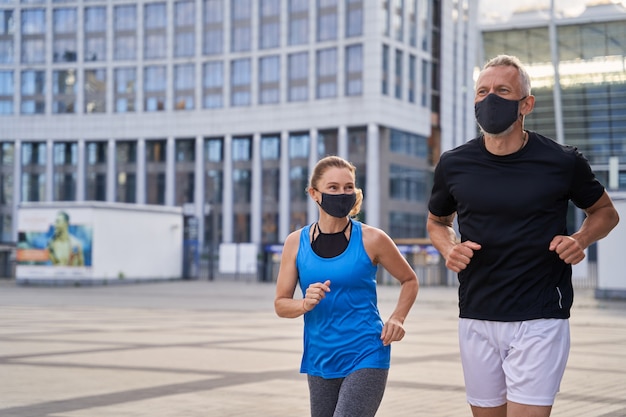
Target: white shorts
x=521, y=361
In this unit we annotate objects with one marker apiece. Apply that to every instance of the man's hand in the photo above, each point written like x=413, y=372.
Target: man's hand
x=568, y=249
x=460, y=255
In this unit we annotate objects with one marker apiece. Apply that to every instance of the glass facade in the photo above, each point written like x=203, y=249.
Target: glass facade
x=592, y=80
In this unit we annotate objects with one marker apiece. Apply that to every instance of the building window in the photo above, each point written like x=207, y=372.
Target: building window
x=354, y=70
x=213, y=21
x=241, y=25
x=299, y=146
x=95, y=90
x=241, y=225
x=64, y=26
x=64, y=158
x=426, y=88
x=64, y=91
x=125, y=34
x=242, y=149
x=214, y=150
x=96, y=170
x=7, y=162
x=326, y=73
x=33, y=91
x=184, y=28
x=397, y=23
x=242, y=186
x=406, y=225
x=412, y=16
x=327, y=143
x=155, y=171
x=185, y=171
x=298, y=22
x=126, y=171
x=154, y=85
x=241, y=75
x=327, y=20
x=270, y=147
x=426, y=24
x=385, y=71
x=212, y=85
x=408, y=184
x=214, y=186
x=33, y=36
x=155, y=31
x=354, y=18
x=298, y=76
x=398, y=79
x=269, y=24
x=7, y=26
x=214, y=181
x=406, y=143
x=412, y=78
x=269, y=79
x=184, y=86
x=125, y=90
x=95, y=34
x=33, y=171
x=6, y=92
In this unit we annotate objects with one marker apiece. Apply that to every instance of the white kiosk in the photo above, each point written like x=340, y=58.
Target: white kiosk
x=611, y=253
x=97, y=242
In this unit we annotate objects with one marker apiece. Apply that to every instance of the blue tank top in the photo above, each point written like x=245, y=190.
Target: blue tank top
x=342, y=333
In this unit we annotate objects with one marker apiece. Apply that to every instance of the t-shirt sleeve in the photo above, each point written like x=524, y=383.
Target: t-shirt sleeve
x=441, y=203
x=586, y=189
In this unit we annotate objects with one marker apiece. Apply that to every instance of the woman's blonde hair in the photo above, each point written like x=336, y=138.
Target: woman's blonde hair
x=333, y=161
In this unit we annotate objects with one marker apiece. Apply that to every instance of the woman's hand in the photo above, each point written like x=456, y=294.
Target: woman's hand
x=314, y=294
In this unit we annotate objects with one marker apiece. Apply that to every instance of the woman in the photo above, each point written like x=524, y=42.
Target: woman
x=346, y=344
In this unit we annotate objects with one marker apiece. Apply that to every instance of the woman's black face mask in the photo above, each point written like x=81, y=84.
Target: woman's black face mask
x=338, y=205
x=495, y=114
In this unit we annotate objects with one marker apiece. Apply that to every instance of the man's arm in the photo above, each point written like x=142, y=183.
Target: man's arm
x=457, y=255
x=601, y=218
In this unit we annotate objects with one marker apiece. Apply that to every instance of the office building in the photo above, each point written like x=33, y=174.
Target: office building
x=223, y=107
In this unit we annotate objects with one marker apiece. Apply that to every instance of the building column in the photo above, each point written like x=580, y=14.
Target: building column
x=170, y=172
x=111, y=171
x=342, y=142
x=257, y=190
x=81, y=172
x=17, y=185
x=49, y=170
x=141, y=171
x=373, y=198
x=198, y=192
x=227, y=205
x=284, y=213
x=312, y=208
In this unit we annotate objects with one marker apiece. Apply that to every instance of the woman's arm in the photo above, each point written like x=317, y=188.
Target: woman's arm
x=284, y=303
x=382, y=250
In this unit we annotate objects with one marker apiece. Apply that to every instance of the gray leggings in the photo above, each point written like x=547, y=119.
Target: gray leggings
x=357, y=395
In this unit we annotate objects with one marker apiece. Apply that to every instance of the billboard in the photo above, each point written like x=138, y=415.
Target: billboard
x=54, y=243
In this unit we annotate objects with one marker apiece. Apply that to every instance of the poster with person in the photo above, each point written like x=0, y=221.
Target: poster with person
x=54, y=238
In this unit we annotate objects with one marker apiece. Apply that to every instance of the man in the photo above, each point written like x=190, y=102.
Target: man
x=63, y=248
x=510, y=188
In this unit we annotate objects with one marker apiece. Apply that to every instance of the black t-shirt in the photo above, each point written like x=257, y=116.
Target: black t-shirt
x=513, y=206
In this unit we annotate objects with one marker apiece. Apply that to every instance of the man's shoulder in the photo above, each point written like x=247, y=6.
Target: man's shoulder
x=550, y=144
x=470, y=146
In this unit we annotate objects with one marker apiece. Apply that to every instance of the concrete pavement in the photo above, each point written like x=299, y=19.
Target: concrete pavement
x=216, y=349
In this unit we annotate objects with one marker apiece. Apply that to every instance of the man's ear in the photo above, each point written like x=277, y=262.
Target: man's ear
x=527, y=105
